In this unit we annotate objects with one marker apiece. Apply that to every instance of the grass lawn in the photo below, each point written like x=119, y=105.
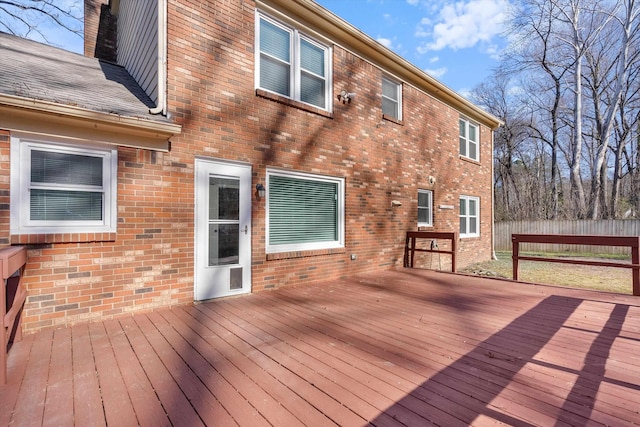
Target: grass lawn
x=576, y=276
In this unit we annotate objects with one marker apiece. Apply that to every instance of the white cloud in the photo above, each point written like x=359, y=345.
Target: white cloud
x=420, y=30
x=494, y=51
x=413, y=2
x=385, y=42
x=434, y=59
x=437, y=72
x=462, y=24
x=464, y=92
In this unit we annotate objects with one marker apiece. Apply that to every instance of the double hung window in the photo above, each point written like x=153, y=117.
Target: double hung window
x=60, y=188
x=391, y=98
x=304, y=212
x=425, y=208
x=292, y=64
x=469, y=135
x=469, y=216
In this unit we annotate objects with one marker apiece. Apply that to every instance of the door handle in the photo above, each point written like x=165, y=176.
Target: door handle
x=246, y=229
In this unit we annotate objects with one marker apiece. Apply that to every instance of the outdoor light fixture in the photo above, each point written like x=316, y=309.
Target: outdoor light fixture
x=260, y=189
x=346, y=97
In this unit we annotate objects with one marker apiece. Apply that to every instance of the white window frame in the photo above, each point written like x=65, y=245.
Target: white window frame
x=398, y=86
x=466, y=217
x=339, y=243
x=429, y=222
x=20, y=222
x=465, y=141
x=295, y=69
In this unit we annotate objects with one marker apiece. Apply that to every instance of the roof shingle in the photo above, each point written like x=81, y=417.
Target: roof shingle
x=37, y=71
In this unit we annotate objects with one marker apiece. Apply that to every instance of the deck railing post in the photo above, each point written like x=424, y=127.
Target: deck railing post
x=454, y=249
x=12, y=261
x=413, y=250
x=406, y=251
x=635, y=260
x=514, y=257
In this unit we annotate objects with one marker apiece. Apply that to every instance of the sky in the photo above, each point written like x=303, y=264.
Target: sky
x=456, y=41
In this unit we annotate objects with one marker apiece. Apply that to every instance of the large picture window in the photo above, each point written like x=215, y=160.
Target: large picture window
x=292, y=64
x=304, y=212
x=469, y=216
x=60, y=188
x=469, y=136
x=425, y=208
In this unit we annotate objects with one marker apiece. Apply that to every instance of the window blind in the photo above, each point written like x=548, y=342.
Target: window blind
x=390, y=100
x=75, y=178
x=64, y=168
x=275, y=61
x=55, y=205
x=302, y=210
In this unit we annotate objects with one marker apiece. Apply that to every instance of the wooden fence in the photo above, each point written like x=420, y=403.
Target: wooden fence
x=612, y=227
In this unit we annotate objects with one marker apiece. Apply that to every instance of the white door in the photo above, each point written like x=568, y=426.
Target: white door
x=222, y=229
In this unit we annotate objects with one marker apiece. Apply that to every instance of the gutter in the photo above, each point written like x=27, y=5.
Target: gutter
x=334, y=27
x=53, y=119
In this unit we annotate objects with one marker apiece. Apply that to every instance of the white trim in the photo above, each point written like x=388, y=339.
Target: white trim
x=20, y=223
x=398, y=85
x=467, y=125
x=430, y=222
x=339, y=243
x=214, y=281
x=467, y=216
x=294, y=60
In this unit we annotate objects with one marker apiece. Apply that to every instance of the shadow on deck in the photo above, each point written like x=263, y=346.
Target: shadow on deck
x=405, y=347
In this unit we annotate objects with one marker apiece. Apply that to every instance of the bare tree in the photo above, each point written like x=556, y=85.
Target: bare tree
x=26, y=17
x=494, y=95
x=610, y=62
x=537, y=54
x=577, y=64
x=580, y=26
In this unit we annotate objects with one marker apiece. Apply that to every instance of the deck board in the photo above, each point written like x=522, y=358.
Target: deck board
x=403, y=347
x=58, y=410
x=87, y=400
x=118, y=409
x=149, y=412
x=16, y=366
x=29, y=407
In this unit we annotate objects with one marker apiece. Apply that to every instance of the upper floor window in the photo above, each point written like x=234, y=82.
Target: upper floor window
x=425, y=208
x=469, y=135
x=292, y=64
x=469, y=216
x=62, y=188
x=304, y=211
x=391, y=98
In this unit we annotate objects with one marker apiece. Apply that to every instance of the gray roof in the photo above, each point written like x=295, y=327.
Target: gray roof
x=37, y=71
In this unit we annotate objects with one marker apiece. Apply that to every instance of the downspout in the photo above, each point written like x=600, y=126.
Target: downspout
x=493, y=206
x=161, y=104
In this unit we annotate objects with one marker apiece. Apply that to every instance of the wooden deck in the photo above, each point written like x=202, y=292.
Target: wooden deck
x=405, y=347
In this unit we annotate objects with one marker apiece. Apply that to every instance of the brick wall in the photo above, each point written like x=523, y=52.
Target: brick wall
x=211, y=79
x=100, y=31
x=149, y=262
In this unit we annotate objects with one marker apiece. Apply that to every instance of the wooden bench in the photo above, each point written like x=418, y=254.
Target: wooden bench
x=410, y=246
x=632, y=242
x=12, y=298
